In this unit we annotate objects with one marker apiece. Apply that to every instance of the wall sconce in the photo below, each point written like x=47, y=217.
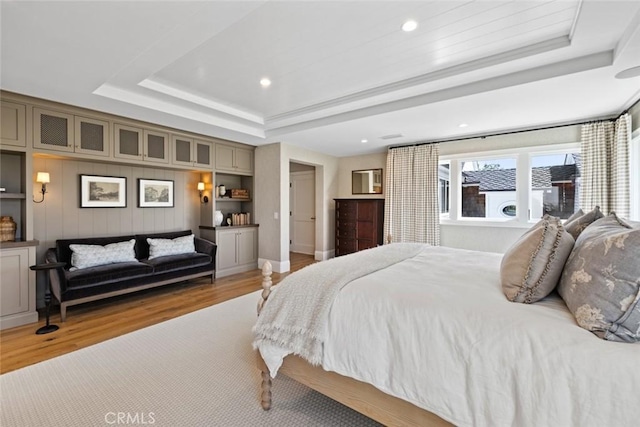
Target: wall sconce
x=204, y=199
x=43, y=178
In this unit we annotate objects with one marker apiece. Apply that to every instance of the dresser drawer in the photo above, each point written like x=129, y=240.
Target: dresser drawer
x=346, y=230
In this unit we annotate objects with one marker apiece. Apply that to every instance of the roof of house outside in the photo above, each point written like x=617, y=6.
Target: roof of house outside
x=505, y=179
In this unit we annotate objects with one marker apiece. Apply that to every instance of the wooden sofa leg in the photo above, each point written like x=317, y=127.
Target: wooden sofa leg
x=63, y=312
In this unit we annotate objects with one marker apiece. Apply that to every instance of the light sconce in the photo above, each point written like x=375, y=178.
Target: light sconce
x=204, y=199
x=43, y=178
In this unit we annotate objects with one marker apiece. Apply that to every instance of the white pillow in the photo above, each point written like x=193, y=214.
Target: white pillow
x=164, y=247
x=85, y=256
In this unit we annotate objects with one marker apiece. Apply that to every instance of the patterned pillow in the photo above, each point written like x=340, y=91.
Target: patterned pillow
x=601, y=280
x=164, y=247
x=575, y=225
x=85, y=256
x=532, y=266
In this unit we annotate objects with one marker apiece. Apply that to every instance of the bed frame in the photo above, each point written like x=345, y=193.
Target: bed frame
x=357, y=395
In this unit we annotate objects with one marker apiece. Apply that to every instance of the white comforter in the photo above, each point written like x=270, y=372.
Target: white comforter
x=436, y=330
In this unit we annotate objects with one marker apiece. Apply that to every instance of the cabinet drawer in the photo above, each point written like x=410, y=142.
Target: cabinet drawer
x=345, y=246
x=346, y=230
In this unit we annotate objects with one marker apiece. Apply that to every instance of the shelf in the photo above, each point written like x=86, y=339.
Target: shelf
x=12, y=196
x=230, y=199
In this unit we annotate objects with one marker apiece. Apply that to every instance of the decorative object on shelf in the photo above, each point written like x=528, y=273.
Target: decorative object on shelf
x=241, y=218
x=103, y=191
x=42, y=178
x=218, y=217
x=155, y=193
x=239, y=193
x=204, y=199
x=222, y=190
x=7, y=229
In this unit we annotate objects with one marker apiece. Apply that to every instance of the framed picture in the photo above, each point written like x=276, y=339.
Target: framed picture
x=103, y=191
x=154, y=193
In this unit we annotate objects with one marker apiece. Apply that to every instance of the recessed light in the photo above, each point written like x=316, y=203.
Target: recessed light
x=463, y=125
x=364, y=141
x=410, y=25
x=265, y=82
x=629, y=73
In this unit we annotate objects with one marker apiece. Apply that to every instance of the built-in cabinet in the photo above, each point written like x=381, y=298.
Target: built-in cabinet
x=192, y=152
x=17, y=288
x=63, y=132
x=234, y=159
x=137, y=143
x=13, y=126
x=237, y=248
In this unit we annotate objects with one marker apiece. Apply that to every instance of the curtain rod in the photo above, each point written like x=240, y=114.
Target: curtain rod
x=481, y=136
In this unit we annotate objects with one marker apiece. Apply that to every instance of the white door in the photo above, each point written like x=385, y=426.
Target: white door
x=302, y=222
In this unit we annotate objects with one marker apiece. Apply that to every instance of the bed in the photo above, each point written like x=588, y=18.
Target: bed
x=432, y=340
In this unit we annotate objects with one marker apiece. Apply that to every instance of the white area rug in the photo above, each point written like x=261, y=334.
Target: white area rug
x=195, y=370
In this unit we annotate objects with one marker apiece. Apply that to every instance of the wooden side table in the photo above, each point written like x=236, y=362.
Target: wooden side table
x=47, y=295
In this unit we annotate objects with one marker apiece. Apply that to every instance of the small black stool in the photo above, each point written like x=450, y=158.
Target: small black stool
x=47, y=294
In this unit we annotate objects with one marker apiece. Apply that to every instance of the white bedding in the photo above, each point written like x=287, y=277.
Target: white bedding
x=437, y=330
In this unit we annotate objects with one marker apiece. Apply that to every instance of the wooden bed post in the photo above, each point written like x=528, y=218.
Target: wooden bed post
x=265, y=385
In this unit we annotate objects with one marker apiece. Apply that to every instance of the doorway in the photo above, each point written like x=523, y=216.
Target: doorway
x=302, y=206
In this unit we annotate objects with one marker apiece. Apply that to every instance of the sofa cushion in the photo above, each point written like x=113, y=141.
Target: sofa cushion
x=85, y=256
x=142, y=246
x=601, y=280
x=94, y=276
x=164, y=247
x=177, y=262
x=532, y=266
x=63, y=252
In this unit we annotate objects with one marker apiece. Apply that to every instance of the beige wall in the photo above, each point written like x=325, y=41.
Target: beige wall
x=348, y=164
x=634, y=111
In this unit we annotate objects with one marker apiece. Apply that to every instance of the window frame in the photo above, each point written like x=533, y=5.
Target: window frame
x=523, y=157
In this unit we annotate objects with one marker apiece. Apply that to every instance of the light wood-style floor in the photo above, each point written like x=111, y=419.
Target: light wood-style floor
x=91, y=323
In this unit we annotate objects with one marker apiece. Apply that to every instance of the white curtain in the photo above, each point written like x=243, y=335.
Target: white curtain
x=411, y=211
x=605, y=166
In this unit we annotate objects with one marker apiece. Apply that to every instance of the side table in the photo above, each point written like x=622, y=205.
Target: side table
x=47, y=295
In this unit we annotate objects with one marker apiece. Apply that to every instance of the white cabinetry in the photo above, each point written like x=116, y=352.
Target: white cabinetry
x=191, y=152
x=13, y=124
x=234, y=159
x=17, y=288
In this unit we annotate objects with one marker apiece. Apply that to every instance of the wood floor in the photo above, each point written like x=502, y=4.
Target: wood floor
x=91, y=323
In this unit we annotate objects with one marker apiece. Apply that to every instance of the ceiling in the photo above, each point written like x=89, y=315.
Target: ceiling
x=341, y=71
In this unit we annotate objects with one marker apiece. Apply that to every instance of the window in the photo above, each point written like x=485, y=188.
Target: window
x=443, y=187
x=554, y=184
x=510, y=187
x=488, y=188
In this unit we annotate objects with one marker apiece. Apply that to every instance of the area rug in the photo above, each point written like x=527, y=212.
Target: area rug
x=195, y=370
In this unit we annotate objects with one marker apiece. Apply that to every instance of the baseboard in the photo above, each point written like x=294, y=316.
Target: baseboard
x=277, y=266
x=324, y=255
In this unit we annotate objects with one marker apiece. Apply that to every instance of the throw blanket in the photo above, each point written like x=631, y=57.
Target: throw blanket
x=295, y=316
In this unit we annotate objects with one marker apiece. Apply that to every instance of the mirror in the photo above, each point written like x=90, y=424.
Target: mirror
x=368, y=181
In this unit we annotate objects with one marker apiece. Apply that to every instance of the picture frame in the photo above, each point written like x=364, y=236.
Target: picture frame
x=155, y=193
x=98, y=191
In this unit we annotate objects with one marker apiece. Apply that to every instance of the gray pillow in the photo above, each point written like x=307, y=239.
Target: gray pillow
x=532, y=266
x=576, y=224
x=601, y=280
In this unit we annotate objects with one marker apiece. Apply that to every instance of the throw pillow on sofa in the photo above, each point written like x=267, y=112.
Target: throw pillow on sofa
x=85, y=256
x=177, y=246
x=532, y=266
x=601, y=280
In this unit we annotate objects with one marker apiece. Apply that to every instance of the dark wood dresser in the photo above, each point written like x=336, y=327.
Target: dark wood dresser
x=359, y=224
